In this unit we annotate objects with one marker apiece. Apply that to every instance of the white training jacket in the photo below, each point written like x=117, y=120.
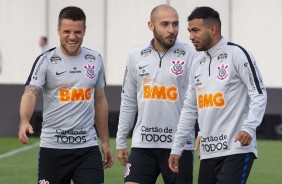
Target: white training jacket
x=226, y=94
x=154, y=86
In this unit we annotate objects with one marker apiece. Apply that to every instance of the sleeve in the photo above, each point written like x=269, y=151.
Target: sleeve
x=101, y=80
x=188, y=116
x=249, y=73
x=128, y=107
x=38, y=72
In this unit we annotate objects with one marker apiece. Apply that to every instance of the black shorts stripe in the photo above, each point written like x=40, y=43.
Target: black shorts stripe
x=33, y=67
x=251, y=65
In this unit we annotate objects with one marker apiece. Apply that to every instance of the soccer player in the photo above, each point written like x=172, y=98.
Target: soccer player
x=72, y=80
x=155, y=82
x=227, y=95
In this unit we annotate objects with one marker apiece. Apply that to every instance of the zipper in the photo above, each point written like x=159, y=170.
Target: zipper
x=161, y=57
x=210, y=63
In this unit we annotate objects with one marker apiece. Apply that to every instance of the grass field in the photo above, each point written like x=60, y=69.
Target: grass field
x=22, y=167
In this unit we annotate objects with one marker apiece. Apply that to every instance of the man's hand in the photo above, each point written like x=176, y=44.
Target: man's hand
x=244, y=138
x=122, y=155
x=24, y=129
x=108, y=156
x=173, y=162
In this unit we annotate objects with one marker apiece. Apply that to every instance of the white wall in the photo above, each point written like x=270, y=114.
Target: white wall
x=114, y=27
x=21, y=24
x=257, y=25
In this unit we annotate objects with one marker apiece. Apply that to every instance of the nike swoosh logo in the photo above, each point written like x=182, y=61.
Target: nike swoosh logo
x=140, y=67
x=59, y=73
x=197, y=76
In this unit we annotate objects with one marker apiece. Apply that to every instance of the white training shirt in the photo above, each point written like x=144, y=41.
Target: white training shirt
x=68, y=84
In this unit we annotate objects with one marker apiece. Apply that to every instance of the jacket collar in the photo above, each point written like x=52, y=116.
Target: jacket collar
x=215, y=50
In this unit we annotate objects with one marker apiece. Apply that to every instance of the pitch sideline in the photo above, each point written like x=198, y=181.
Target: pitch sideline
x=19, y=150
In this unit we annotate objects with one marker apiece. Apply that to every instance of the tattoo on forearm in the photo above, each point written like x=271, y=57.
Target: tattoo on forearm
x=32, y=89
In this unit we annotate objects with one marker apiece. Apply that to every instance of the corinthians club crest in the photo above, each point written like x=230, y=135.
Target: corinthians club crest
x=222, y=72
x=177, y=67
x=90, y=72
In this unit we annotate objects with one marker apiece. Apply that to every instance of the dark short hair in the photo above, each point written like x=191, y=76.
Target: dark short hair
x=206, y=13
x=44, y=38
x=72, y=13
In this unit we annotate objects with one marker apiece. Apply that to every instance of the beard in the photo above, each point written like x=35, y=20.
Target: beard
x=166, y=43
x=71, y=50
x=205, y=44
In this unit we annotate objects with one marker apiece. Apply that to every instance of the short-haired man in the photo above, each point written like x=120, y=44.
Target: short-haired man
x=155, y=83
x=227, y=95
x=72, y=80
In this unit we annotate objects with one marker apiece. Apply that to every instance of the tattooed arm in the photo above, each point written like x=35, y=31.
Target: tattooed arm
x=26, y=109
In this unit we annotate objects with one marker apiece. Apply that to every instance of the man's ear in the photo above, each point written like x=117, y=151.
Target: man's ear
x=151, y=25
x=213, y=29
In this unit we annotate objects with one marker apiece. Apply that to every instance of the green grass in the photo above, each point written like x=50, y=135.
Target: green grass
x=10, y=143
x=22, y=167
